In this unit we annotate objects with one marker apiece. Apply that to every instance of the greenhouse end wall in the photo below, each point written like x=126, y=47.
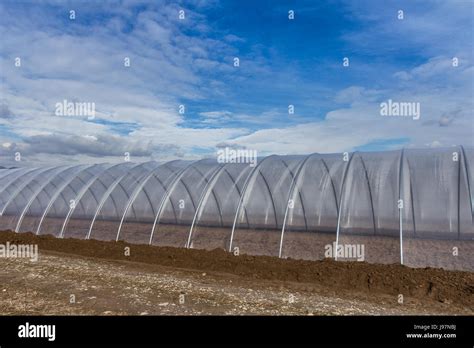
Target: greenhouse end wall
x=410, y=206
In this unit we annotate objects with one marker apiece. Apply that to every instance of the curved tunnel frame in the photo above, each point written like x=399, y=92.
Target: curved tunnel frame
x=176, y=178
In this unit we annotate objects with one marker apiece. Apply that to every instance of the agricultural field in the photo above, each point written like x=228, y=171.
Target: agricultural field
x=106, y=278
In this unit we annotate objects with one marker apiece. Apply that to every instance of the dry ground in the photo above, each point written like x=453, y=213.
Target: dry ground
x=173, y=281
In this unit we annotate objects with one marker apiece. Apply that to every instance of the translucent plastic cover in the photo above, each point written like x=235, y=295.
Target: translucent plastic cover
x=409, y=206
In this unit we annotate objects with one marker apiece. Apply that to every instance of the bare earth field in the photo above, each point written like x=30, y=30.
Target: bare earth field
x=153, y=280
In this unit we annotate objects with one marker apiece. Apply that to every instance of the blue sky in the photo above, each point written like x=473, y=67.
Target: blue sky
x=190, y=62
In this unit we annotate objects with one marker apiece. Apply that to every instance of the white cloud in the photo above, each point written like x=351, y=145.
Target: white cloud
x=446, y=118
x=85, y=63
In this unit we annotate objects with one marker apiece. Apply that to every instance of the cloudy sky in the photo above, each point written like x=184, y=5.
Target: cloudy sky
x=190, y=62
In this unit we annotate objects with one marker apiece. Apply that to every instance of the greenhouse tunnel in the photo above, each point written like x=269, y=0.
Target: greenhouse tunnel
x=408, y=206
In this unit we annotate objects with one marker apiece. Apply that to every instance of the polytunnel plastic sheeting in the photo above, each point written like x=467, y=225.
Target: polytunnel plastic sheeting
x=7, y=183
x=10, y=172
x=38, y=204
x=79, y=218
x=145, y=201
x=356, y=208
x=467, y=226
x=8, y=175
x=12, y=175
x=25, y=192
x=369, y=215
x=435, y=206
x=51, y=220
x=221, y=199
x=260, y=217
x=311, y=215
x=176, y=214
x=14, y=183
x=106, y=221
x=10, y=184
x=437, y=228
x=290, y=206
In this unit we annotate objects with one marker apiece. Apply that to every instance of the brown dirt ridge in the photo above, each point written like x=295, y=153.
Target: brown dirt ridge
x=427, y=284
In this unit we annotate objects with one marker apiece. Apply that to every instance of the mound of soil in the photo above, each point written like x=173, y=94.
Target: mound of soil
x=384, y=248
x=454, y=287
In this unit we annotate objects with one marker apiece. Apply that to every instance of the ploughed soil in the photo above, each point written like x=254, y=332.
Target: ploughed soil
x=108, y=277
x=421, y=250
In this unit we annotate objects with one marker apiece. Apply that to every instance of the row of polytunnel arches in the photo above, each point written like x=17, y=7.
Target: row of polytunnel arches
x=287, y=206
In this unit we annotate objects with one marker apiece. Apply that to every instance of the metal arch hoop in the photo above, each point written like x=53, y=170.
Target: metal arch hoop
x=173, y=184
x=135, y=193
x=214, y=175
x=82, y=192
x=37, y=192
x=412, y=202
x=8, y=172
x=400, y=209
x=468, y=186
x=105, y=196
x=290, y=194
x=292, y=180
x=163, y=185
x=138, y=178
x=244, y=192
x=22, y=186
x=370, y=193
x=237, y=189
x=346, y=169
x=17, y=175
x=332, y=183
x=56, y=194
